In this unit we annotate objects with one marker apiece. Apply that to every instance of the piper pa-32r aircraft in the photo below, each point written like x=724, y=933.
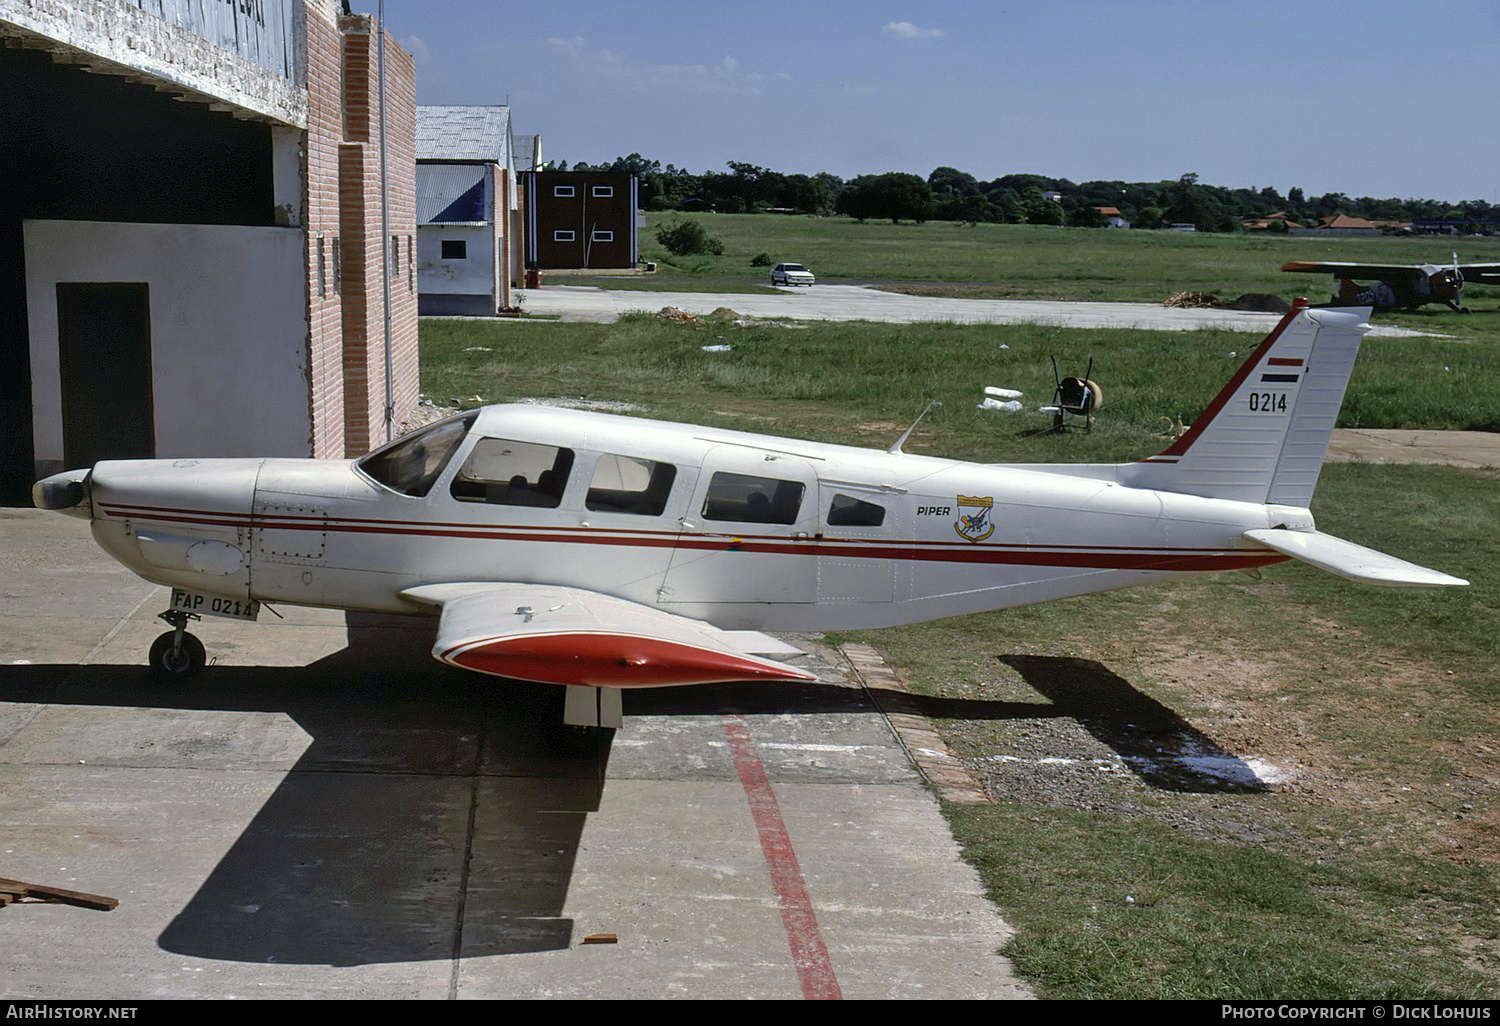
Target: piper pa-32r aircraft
x=603, y=552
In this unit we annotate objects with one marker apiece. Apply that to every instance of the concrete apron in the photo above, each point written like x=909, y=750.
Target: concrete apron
x=330, y=813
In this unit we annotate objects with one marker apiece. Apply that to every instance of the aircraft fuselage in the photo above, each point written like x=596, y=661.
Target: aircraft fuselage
x=739, y=530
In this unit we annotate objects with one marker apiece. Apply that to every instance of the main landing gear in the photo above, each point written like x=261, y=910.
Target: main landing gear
x=177, y=654
x=581, y=721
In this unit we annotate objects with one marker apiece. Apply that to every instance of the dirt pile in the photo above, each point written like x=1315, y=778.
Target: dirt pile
x=1255, y=302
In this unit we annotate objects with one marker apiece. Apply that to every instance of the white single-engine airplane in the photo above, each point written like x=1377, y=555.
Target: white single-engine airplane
x=604, y=552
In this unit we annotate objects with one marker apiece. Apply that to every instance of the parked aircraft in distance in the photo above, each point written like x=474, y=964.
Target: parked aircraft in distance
x=1399, y=286
x=601, y=552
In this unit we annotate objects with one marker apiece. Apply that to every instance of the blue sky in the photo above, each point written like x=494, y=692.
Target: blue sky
x=1375, y=98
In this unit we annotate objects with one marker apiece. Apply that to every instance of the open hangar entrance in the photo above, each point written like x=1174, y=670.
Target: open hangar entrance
x=133, y=162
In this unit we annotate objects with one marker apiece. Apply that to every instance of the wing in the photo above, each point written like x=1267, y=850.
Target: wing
x=1480, y=274
x=1345, y=269
x=559, y=635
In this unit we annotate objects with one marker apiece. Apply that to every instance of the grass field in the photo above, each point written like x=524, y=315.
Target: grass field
x=837, y=382
x=1035, y=261
x=1370, y=868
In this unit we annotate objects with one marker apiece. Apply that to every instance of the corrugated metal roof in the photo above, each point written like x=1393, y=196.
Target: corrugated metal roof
x=453, y=132
x=524, y=146
x=450, y=194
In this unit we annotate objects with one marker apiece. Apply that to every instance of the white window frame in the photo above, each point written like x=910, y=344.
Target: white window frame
x=602, y=235
x=563, y=191
x=564, y=235
x=602, y=191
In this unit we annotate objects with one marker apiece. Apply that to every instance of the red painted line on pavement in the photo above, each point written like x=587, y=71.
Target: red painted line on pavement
x=809, y=954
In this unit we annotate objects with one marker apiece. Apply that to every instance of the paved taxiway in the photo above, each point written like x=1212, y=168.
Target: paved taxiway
x=858, y=303
x=330, y=813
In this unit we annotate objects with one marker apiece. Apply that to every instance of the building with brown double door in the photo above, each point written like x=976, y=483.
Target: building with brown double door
x=580, y=219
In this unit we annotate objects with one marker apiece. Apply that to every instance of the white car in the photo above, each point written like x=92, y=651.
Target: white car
x=791, y=274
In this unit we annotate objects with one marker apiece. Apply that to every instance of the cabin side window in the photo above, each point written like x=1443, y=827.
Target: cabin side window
x=625, y=484
x=847, y=511
x=507, y=473
x=412, y=464
x=752, y=500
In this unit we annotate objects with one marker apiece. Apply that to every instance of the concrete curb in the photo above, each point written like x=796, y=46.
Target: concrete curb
x=924, y=747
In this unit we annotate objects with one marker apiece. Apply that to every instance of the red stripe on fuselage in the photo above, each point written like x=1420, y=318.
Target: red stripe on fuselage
x=1091, y=557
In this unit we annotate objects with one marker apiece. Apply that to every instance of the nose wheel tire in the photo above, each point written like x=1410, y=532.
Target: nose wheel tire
x=171, y=660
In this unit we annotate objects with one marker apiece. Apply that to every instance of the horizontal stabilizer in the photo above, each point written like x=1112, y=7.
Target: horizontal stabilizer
x=1355, y=562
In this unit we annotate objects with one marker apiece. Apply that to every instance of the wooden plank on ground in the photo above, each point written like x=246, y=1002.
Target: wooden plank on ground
x=82, y=899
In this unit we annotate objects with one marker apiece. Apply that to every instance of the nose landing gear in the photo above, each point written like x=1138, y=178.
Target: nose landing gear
x=177, y=654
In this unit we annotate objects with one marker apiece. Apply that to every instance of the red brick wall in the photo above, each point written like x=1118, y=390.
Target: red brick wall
x=321, y=217
x=363, y=364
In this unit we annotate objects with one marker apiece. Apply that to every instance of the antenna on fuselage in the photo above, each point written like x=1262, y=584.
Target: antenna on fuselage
x=896, y=447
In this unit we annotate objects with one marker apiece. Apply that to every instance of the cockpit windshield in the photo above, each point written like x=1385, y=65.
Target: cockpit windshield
x=410, y=465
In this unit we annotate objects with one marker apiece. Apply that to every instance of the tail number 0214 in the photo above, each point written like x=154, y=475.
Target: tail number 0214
x=1268, y=402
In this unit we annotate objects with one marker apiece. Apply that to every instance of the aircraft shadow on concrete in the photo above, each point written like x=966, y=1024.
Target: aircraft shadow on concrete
x=428, y=819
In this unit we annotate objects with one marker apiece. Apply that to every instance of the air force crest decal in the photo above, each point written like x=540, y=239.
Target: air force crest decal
x=974, y=521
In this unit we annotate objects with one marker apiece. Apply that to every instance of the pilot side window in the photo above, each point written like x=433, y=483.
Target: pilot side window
x=508, y=473
x=625, y=484
x=752, y=500
x=847, y=511
x=410, y=465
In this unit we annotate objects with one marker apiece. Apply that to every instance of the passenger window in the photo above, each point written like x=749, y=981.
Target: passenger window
x=513, y=474
x=847, y=511
x=752, y=500
x=624, y=484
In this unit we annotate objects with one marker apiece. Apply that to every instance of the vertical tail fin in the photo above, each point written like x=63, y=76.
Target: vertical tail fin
x=1263, y=438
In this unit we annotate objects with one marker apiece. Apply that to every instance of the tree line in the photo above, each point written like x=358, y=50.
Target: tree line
x=948, y=194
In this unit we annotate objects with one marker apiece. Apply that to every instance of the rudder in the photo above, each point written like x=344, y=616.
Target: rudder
x=1265, y=435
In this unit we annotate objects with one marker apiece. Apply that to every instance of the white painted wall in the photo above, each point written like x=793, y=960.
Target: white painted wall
x=229, y=333
x=472, y=276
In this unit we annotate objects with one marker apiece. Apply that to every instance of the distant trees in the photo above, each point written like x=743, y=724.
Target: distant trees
x=1084, y=216
x=952, y=194
x=895, y=194
x=1199, y=205
x=1041, y=210
x=949, y=181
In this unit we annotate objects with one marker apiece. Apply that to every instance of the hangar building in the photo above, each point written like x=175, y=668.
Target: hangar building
x=190, y=232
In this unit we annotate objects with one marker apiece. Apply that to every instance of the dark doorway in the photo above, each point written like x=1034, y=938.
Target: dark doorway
x=104, y=348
